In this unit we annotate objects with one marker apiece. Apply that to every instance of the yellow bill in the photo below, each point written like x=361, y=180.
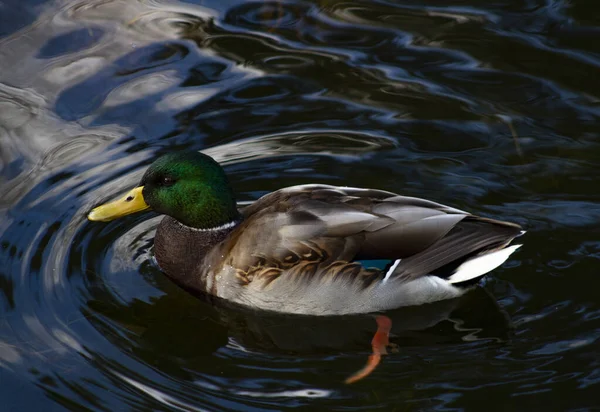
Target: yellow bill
x=130, y=203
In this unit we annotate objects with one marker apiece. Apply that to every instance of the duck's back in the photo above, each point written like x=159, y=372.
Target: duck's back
x=306, y=249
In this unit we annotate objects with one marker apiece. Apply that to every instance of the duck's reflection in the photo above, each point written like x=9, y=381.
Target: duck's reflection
x=476, y=315
x=185, y=329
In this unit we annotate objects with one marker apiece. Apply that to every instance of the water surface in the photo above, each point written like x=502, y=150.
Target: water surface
x=491, y=107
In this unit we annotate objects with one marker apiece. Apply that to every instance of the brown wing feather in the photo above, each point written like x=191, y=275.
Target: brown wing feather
x=469, y=236
x=316, y=231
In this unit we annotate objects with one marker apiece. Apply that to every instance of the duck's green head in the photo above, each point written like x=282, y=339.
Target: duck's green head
x=190, y=187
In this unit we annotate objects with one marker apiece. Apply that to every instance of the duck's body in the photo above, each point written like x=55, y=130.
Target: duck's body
x=305, y=249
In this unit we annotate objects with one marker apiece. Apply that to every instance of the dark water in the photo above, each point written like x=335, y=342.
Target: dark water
x=492, y=107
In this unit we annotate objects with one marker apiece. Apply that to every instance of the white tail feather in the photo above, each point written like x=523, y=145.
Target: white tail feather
x=480, y=265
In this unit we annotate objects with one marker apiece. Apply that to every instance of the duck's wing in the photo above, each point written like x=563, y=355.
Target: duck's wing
x=311, y=229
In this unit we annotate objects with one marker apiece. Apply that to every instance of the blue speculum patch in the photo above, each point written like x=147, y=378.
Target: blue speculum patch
x=382, y=264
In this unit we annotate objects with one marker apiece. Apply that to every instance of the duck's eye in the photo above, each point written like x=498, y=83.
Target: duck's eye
x=167, y=181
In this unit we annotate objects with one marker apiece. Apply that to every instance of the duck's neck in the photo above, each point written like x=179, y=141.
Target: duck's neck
x=180, y=249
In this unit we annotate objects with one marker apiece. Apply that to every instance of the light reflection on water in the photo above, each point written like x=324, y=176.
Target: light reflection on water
x=489, y=108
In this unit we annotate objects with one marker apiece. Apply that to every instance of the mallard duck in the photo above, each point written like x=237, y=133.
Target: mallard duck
x=311, y=249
